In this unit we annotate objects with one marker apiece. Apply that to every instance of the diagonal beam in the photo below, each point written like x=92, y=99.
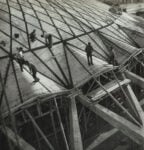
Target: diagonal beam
x=54, y=125
x=39, y=130
x=59, y=66
x=61, y=125
x=23, y=145
x=69, y=39
x=68, y=65
x=133, y=41
x=103, y=140
x=75, y=135
x=110, y=87
x=80, y=24
x=118, y=104
x=17, y=82
x=136, y=79
x=29, y=45
x=128, y=128
x=135, y=102
x=101, y=34
x=50, y=50
x=3, y=83
x=132, y=107
x=4, y=50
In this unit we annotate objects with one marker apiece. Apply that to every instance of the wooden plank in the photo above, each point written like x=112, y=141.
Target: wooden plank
x=128, y=128
x=75, y=134
x=136, y=79
x=33, y=100
x=102, y=138
x=61, y=124
x=135, y=102
x=23, y=145
x=39, y=130
x=110, y=87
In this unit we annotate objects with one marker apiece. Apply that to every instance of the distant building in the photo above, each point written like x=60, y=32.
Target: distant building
x=121, y=1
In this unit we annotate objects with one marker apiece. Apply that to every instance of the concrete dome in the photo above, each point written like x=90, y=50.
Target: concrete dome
x=73, y=100
x=63, y=66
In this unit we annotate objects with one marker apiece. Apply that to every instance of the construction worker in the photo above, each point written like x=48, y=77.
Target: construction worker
x=33, y=71
x=112, y=59
x=33, y=35
x=89, y=50
x=20, y=57
x=3, y=43
x=16, y=35
x=48, y=39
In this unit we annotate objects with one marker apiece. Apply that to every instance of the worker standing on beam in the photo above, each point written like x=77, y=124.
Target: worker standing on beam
x=112, y=59
x=48, y=39
x=33, y=71
x=89, y=50
x=20, y=57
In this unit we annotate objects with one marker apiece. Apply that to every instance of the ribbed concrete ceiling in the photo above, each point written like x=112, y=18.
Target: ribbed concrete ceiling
x=64, y=66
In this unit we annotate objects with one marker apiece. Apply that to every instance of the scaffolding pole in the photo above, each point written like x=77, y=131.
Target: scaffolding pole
x=39, y=130
x=128, y=128
x=76, y=140
x=61, y=125
x=23, y=145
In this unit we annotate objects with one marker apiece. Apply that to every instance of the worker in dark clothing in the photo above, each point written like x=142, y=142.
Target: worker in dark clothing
x=3, y=43
x=89, y=50
x=33, y=71
x=112, y=59
x=48, y=39
x=33, y=35
x=20, y=57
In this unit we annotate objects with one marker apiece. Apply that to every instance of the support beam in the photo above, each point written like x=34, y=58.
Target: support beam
x=97, y=144
x=61, y=125
x=125, y=126
x=105, y=140
x=75, y=135
x=39, y=130
x=119, y=104
x=110, y=87
x=142, y=103
x=135, y=102
x=136, y=79
x=23, y=145
x=54, y=125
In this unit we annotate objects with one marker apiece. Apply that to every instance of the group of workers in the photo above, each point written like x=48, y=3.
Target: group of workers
x=89, y=50
x=46, y=36
x=19, y=57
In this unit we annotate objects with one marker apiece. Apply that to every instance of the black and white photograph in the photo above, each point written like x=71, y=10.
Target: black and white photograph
x=71, y=74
